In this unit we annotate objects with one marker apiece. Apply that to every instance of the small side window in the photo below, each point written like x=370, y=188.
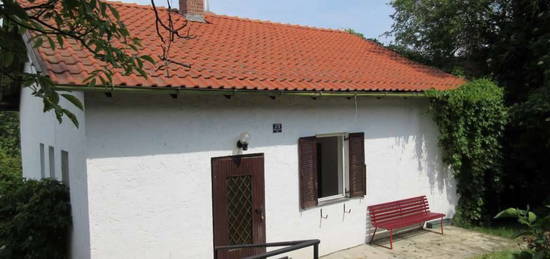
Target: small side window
x=65, y=167
x=42, y=162
x=51, y=154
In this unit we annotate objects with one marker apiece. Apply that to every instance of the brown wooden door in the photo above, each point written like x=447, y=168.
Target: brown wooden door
x=238, y=203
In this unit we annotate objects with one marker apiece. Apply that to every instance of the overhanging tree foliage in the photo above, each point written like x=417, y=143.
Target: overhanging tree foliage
x=447, y=33
x=507, y=41
x=95, y=25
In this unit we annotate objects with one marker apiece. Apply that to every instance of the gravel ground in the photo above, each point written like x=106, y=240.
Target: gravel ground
x=455, y=243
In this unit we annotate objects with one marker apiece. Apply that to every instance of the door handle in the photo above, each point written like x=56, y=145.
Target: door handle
x=261, y=212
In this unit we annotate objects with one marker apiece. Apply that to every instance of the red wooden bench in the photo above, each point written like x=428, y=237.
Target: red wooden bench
x=401, y=213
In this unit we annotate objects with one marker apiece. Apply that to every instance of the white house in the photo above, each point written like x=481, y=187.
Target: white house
x=277, y=132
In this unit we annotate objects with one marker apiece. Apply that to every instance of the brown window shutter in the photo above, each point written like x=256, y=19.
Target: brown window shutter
x=357, y=168
x=307, y=155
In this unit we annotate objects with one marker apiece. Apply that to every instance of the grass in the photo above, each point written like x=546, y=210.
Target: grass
x=504, y=230
x=498, y=255
x=505, y=254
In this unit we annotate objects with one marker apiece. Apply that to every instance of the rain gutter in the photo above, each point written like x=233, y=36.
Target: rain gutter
x=273, y=93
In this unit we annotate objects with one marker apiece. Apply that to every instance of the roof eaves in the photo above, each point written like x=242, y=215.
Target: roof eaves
x=33, y=54
x=186, y=91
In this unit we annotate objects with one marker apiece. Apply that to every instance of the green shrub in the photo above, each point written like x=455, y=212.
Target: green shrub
x=10, y=168
x=537, y=235
x=471, y=122
x=34, y=215
x=34, y=219
x=9, y=133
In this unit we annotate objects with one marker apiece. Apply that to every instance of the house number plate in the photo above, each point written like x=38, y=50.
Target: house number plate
x=277, y=127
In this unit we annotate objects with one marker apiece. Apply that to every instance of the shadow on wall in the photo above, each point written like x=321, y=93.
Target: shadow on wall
x=141, y=125
x=428, y=158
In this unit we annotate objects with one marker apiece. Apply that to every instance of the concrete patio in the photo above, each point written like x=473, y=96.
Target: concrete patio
x=456, y=243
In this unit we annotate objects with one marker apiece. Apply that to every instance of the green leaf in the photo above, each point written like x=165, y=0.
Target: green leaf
x=38, y=42
x=72, y=99
x=51, y=42
x=148, y=58
x=114, y=11
x=71, y=116
x=531, y=217
x=47, y=105
x=103, y=8
x=59, y=40
x=508, y=213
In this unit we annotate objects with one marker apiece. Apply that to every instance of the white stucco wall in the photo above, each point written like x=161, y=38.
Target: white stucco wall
x=39, y=127
x=149, y=174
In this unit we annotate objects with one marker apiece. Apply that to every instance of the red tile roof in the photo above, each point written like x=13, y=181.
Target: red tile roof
x=236, y=53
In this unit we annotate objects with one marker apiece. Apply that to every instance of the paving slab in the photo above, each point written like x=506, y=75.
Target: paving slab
x=455, y=243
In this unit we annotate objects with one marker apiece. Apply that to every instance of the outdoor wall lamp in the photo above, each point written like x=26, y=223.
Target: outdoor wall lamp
x=242, y=143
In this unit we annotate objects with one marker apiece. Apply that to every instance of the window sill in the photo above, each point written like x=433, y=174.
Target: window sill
x=333, y=201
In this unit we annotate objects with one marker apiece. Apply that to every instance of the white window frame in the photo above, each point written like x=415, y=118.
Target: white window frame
x=343, y=144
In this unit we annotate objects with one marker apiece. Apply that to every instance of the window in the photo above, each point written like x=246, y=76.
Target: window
x=52, y=161
x=42, y=162
x=65, y=167
x=331, y=166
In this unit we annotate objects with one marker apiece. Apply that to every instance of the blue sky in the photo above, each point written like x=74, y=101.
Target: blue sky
x=370, y=17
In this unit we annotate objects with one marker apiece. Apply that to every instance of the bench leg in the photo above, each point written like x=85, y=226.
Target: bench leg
x=372, y=238
x=391, y=238
x=441, y=226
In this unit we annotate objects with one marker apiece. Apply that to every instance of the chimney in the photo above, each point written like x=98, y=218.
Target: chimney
x=193, y=10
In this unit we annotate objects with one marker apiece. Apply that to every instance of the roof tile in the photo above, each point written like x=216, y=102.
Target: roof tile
x=230, y=52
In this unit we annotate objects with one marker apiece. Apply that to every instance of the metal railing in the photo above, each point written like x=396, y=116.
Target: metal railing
x=290, y=246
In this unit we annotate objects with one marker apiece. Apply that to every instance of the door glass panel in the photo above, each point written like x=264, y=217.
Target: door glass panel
x=239, y=209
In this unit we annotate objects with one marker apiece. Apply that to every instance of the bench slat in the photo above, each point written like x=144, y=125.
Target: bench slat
x=399, y=201
x=399, y=214
x=410, y=220
x=398, y=208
